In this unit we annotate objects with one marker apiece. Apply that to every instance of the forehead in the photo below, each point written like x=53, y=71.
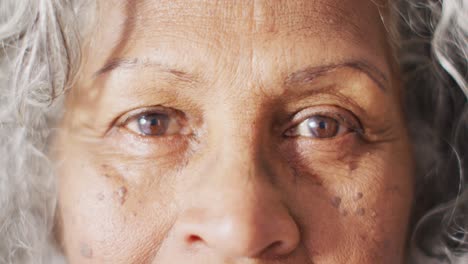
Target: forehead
x=352, y=18
x=241, y=34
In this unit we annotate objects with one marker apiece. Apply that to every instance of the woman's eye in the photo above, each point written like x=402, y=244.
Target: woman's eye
x=154, y=124
x=319, y=126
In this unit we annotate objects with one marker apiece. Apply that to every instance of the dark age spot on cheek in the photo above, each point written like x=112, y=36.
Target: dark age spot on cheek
x=358, y=196
x=106, y=171
x=86, y=251
x=363, y=237
x=336, y=202
x=121, y=194
x=111, y=173
x=352, y=165
x=350, y=156
x=361, y=211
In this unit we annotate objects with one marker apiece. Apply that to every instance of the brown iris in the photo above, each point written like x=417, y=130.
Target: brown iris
x=322, y=126
x=153, y=124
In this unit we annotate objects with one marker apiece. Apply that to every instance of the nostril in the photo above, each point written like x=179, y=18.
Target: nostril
x=274, y=250
x=194, y=239
x=277, y=244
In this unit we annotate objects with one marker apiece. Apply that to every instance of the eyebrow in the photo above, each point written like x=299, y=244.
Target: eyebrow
x=305, y=75
x=311, y=73
x=134, y=63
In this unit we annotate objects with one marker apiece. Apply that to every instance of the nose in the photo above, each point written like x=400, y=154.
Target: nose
x=237, y=212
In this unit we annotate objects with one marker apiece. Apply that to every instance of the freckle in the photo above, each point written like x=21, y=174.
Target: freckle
x=86, y=251
x=363, y=237
x=352, y=166
x=121, y=194
x=317, y=180
x=358, y=196
x=361, y=211
x=318, y=183
x=134, y=214
x=336, y=202
x=100, y=196
x=344, y=213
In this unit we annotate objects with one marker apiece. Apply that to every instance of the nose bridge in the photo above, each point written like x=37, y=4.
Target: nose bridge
x=238, y=158
x=239, y=128
x=234, y=209
x=234, y=175
x=241, y=177
x=237, y=164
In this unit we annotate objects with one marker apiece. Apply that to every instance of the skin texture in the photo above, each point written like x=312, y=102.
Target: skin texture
x=232, y=180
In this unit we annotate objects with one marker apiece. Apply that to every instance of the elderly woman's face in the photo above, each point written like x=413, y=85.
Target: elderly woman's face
x=235, y=132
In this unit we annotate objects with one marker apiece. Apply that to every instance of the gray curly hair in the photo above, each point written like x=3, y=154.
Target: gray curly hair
x=40, y=56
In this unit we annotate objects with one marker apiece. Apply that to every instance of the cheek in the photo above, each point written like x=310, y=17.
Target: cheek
x=111, y=203
x=347, y=198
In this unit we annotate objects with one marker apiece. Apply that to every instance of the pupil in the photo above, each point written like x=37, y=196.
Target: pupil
x=323, y=127
x=154, y=121
x=153, y=125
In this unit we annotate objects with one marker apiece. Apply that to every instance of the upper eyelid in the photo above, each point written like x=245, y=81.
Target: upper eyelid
x=176, y=118
x=123, y=119
x=132, y=115
x=327, y=111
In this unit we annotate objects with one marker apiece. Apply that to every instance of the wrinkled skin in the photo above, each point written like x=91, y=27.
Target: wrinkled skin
x=227, y=172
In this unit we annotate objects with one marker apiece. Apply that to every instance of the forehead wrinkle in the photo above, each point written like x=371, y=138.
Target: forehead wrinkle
x=263, y=16
x=314, y=16
x=225, y=16
x=309, y=17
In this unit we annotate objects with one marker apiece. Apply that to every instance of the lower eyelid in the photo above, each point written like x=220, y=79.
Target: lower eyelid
x=307, y=147
x=135, y=145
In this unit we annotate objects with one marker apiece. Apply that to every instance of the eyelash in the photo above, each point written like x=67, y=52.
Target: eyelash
x=171, y=114
x=341, y=116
